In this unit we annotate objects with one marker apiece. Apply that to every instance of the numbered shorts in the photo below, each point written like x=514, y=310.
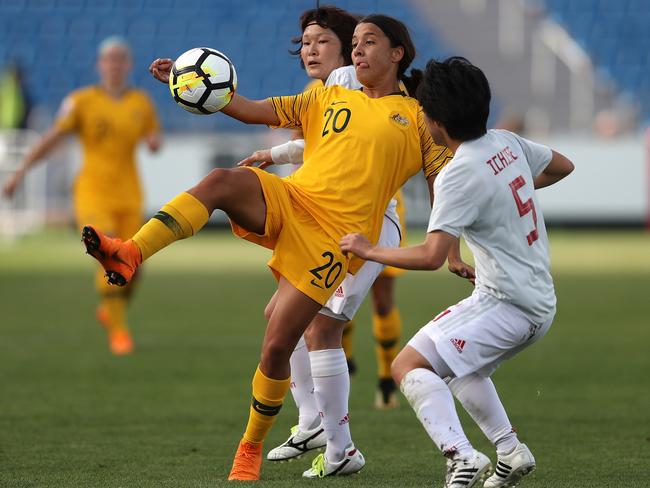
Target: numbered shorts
x=302, y=252
x=477, y=334
x=349, y=295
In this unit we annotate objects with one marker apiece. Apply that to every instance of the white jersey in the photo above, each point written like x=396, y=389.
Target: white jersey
x=345, y=76
x=486, y=194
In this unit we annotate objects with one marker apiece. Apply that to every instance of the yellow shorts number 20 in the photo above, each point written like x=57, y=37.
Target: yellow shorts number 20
x=302, y=252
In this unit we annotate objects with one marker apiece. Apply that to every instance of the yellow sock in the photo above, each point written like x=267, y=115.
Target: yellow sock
x=387, y=331
x=180, y=218
x=348, y=334
x=268, y=395
x=112, y=305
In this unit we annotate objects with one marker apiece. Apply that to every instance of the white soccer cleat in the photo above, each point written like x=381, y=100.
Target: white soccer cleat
x=467, y=472
x=511, y=468
x=298, y=443
x=352, y=462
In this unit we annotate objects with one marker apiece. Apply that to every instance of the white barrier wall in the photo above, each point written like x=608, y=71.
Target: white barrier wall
x=610, y=183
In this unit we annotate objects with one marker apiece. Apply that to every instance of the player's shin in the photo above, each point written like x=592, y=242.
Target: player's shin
x=480, y=399
x=387, y=330
x=302, y=387
x=434, y=406
x=182, y=217
x=266, y=403
x=332, y=390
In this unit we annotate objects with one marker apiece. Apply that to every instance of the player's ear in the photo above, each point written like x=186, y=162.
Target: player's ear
x=396, y=54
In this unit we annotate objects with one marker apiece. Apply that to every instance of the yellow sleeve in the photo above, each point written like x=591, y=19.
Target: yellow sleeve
x=291, y=109
x=434, y=157
x=151, y=122
x=67, y=118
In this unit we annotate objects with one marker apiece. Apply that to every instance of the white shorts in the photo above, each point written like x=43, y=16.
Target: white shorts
x=348, y=297
x=477, y=334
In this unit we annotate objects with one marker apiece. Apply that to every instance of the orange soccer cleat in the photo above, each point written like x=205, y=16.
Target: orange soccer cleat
x=119, y=259
x=119, y=339
x=120, y=342
x=247, y=463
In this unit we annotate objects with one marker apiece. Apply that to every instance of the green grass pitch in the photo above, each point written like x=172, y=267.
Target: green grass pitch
x=171, y=414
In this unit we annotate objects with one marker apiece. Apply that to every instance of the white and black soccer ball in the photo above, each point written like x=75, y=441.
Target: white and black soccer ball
x=202, y=80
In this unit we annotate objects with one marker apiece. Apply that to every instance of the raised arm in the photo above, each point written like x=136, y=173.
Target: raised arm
x=251, y=111
x=240, y=108
x=559, y=167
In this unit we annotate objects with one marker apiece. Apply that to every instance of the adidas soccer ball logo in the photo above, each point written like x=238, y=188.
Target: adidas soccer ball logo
x=202, y=80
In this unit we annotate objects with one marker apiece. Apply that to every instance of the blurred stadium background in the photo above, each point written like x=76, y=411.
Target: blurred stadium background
x=574, y=74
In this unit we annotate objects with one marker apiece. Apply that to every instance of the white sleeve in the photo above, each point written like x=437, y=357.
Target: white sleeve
x=537, y=155
x=453, y=209
x=288, y=153
x=344, y=76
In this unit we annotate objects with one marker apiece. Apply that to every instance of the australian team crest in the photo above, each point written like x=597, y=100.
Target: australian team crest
x=399, y=119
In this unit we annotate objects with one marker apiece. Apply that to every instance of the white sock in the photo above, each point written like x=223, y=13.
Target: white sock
x=480, y=399
x=329, y=370
x=434, y=406
x=302, y=387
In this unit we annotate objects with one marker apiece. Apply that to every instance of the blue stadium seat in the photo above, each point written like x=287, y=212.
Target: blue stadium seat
x=71, y=6
x=99, y=7
x=142, y=27
x=82, y=28
x=615, y=33
x=40, y=5
x=113, y=26
x=13, y=6
x=53, y=27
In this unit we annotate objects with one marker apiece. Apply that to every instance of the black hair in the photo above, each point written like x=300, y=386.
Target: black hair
x=398, y=35
x=456, y=94
x=339, y=21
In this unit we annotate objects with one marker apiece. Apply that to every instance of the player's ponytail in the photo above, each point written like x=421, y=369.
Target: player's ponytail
x=412, y=81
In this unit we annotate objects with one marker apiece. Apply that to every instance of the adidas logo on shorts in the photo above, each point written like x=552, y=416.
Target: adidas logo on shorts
x=459, y=344
x=339, y=292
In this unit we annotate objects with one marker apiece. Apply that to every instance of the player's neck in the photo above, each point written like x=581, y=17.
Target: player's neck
x=382, y=89
x=453, y=145
x=114, y=91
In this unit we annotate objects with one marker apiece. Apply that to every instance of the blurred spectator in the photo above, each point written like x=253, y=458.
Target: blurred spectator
x=14, y=103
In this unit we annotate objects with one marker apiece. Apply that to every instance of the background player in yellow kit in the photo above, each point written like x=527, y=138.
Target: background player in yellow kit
x=110, y=119
x=360, y=147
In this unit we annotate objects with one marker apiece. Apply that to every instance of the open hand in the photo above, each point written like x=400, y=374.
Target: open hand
x=263, y=156
x=161, y=68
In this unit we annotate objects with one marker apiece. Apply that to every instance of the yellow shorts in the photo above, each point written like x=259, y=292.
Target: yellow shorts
x=122, y=223
x=302, y=252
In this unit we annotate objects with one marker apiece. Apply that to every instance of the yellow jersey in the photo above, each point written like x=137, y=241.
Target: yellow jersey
x=358, y=152
x=109, y=130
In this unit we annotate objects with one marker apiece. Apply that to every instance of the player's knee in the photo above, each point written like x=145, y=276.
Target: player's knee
x=398, y=368
x=268, y=310
x=276, y=353
x=215, y=189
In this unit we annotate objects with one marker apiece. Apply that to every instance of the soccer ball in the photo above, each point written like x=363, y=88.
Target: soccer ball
x=202, y=80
